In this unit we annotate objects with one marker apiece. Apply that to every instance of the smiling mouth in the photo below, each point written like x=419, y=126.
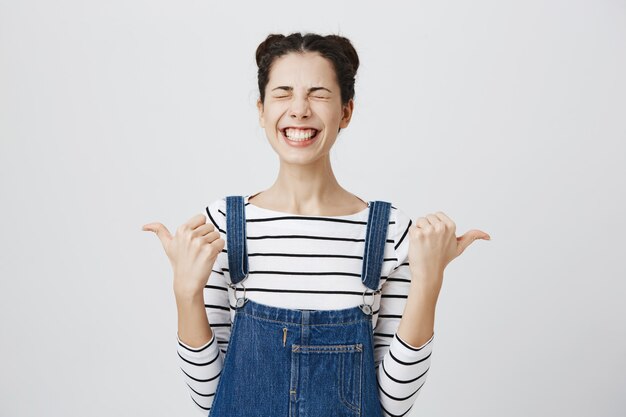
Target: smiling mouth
x=300, y=138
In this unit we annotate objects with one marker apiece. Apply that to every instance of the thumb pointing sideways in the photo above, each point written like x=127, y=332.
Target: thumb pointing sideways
x=160, y=230
x=468, y=238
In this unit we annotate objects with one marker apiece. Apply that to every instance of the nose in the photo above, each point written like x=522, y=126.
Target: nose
x=300, y=107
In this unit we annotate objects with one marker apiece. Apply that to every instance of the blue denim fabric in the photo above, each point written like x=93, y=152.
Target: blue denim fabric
x=300, y=363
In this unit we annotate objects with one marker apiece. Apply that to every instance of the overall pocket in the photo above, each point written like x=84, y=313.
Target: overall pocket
x=333, y=376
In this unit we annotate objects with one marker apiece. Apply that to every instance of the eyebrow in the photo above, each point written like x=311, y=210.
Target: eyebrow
x=288, y=88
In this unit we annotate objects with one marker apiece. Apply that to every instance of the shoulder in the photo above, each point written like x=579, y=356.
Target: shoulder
x=216, y=213
x=400, y=222
x=399, y=229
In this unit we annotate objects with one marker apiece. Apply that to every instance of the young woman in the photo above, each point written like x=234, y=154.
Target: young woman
x=290, y=299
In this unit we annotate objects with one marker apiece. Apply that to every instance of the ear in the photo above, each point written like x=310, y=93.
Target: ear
x=259, y=105
x=347, y=114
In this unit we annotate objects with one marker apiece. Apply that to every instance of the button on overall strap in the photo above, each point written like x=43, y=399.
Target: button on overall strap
x=375, y=239
x=236, y=238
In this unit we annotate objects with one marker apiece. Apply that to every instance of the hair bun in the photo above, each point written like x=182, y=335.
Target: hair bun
x=336, y=48
x=265, y=46
x=348, y=50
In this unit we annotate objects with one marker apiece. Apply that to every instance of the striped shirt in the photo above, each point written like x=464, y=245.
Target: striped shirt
x=284, y=252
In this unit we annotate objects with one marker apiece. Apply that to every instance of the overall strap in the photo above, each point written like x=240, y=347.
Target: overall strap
x=375, y=239
x=236, y=238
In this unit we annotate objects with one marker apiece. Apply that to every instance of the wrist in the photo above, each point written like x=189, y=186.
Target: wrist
x=187, y=294
x=427, y=285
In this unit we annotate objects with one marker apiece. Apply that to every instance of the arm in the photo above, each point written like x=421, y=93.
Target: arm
x=405, y=363
x=193, y=323
x=204, y=330
x=418, y=319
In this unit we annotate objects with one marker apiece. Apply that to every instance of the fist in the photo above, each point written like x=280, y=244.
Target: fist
x=433, y=244
x=192, y=251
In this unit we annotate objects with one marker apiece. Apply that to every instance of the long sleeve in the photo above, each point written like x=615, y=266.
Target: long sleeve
x=201, y=367
x=404, y=367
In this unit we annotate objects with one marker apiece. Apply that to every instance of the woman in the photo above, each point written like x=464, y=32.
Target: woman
x=334, y=285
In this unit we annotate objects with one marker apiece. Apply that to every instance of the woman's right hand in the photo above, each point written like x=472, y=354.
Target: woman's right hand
x=192, y=251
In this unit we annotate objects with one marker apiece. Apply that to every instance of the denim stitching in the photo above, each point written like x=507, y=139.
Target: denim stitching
x=358, y=347
x=342, y=388
x=300, y=324
x=293, y=385
x=221, y=379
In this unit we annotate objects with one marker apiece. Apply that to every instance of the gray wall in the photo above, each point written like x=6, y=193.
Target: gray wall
x=507, y=116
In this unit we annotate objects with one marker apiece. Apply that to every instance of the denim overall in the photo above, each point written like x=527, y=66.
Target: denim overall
x=300, y=363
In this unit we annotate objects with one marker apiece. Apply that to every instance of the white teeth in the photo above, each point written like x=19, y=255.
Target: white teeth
x=300, y=134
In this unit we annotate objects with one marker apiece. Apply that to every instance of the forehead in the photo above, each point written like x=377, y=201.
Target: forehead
x=302, y=69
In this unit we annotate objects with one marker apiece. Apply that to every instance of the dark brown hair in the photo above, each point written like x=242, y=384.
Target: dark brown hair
x=337, y=49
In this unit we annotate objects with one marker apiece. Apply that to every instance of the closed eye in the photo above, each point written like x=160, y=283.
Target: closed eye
x=311, y=96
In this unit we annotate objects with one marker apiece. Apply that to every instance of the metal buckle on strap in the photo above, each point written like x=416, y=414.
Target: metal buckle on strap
x=240, y=301
x=367, y=308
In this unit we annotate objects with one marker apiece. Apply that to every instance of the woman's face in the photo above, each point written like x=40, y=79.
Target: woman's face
x=302, y=98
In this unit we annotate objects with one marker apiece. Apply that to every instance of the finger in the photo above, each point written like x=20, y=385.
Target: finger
x=447, y=220
x=433, y=220
x=195, y=221
x=203, y=229
x=468, y=238
x=218, y=244
x=480, y=234
x=210, y=237
x=160, y=230
x=421, y=222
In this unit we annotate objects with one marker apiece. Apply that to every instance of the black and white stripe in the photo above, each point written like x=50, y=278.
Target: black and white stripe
x=317, y=260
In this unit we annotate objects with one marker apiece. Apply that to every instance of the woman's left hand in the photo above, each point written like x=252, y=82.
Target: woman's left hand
x=433, y=244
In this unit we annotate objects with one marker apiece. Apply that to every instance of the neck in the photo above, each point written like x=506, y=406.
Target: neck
x=311, y=188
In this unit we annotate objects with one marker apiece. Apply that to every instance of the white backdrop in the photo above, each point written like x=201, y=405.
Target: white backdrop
x=508, y=116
